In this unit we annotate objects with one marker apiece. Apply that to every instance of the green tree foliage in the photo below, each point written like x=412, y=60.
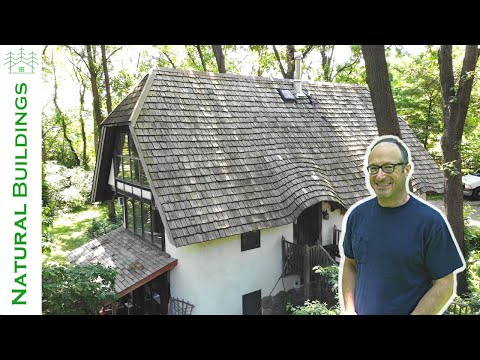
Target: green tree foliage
x=473, y=276
x=416, y=90
x=77, y=289
x=352, y=71
x=264, y=60
x=315, y=307
x=66, y=189
x=199, y=58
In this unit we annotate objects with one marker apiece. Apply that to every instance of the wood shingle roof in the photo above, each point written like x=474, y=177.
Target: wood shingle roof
x=135, y=260
x=226, y=155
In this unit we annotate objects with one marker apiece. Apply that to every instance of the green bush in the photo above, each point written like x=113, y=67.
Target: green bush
x=47, y=222
x=313, y=307
x=330, y=273
x=473, y=272
x=66, y=189
x=472, y=238
x=100, y=227
x=77, y=289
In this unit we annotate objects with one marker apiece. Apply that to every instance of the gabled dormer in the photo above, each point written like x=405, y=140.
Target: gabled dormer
x=129, y=182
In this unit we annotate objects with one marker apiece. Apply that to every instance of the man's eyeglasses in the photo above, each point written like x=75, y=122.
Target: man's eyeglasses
x=387, y=168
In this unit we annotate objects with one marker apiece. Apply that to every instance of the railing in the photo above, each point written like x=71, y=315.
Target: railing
x=319, y=256
x=292, y=258
x=296, y=258
x=458, y=308
x=300, y=259
x=336, y=235
x=179, y=307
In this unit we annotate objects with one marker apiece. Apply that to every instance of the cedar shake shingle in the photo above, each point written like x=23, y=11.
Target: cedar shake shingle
x=226, y=155
x=133, y=258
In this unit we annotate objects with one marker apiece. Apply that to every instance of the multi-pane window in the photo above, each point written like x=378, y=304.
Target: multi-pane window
x=140, y=215
x=250, y=240
x=128, y=167
x=142, y=219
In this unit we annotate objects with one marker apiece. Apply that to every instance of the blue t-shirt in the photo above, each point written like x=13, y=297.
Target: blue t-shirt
x=398, y=252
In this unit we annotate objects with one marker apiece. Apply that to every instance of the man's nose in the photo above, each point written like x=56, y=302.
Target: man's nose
x=380, y=175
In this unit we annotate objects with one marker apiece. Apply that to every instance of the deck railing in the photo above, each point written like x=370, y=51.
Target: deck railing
x=296, y=258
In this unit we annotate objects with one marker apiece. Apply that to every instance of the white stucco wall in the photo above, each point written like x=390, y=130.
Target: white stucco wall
x=334, y=218
x=215, y=274
x=111, y=176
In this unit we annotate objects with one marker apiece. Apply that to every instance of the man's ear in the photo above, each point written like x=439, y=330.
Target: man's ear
x=408, y=167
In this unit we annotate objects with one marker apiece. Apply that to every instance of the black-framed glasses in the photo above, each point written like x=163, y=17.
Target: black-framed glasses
x=387, y=168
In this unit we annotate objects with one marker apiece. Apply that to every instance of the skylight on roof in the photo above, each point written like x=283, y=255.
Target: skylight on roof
x=287, y=95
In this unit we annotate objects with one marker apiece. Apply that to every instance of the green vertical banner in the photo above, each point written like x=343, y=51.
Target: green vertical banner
x=20, y=180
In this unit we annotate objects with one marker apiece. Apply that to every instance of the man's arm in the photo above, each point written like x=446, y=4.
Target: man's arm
x=349, y=273
x=434, y=299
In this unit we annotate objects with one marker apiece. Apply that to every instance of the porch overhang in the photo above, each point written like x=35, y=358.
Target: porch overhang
x=135, y=260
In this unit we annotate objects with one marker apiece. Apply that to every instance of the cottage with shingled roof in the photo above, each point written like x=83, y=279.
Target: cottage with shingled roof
x=219, y=174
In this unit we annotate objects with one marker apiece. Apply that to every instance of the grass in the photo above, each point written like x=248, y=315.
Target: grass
x=69, y=232
x=434, y=196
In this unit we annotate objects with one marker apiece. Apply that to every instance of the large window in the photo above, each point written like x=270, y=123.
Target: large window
x=141, y=218
x=128, y=167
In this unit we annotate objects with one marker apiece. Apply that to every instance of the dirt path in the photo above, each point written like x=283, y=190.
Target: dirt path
x=474, y=218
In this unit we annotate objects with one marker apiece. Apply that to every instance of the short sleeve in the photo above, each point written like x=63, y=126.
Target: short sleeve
x=347, y=239
x=441, y=254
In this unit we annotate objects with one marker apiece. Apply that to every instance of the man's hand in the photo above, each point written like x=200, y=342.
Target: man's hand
x=437, y=297
x=348, y=275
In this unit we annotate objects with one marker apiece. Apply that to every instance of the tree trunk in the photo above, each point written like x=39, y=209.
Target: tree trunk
x=327, y=61
x=112, y=215
x=380, y=90
x=219, y=56
x=97, y=112
x=60, y=115
x=279, y=60
x=200, y=53
x=290, y=61
x=455, y=106
x=427, y=123
x=82, y=126
x=107, y=80
x=81, y=92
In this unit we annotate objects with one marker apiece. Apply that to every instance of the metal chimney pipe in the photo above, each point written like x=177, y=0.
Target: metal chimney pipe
x=297, y=81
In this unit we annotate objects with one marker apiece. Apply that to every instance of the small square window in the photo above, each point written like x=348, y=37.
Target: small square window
x=252, y=303
x=250, y=240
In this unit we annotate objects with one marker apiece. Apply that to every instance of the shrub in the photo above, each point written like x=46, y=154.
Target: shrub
x=100, y=227
x=313, y=307
x=77, y=289
x=66, y=189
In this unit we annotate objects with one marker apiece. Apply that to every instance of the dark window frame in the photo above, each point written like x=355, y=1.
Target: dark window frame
x=250, y=240
x=133, y=161
x=252, y=303
x=136, y=201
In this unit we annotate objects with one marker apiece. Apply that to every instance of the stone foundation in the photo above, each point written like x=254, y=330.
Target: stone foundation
x=277, y=305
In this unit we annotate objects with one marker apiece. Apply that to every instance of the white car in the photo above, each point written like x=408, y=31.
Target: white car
x=471, y=185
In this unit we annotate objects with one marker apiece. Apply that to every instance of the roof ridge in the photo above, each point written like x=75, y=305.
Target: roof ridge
x=195, y=73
